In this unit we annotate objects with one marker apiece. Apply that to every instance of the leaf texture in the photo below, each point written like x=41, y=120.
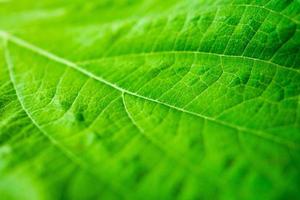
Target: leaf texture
x=150, y=99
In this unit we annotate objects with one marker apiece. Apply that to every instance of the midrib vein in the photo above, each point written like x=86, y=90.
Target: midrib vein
x=53, y=57
x=187, y=52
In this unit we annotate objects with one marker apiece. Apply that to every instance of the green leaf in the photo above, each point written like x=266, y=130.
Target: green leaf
x=150, y=99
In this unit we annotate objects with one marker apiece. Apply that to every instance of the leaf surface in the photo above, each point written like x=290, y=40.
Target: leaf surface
x=150, y=99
